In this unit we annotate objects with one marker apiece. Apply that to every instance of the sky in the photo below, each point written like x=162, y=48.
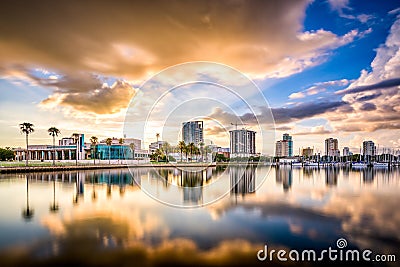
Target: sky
x=326, y=68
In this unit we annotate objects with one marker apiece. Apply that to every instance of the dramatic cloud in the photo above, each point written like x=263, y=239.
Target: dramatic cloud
x=102, y=100
x=305, y=110
x=318, y=88
x=281, y=115
x=215, y=131
x=133, y=39
x=315, y=131
x=374, y=96
x=380, y=85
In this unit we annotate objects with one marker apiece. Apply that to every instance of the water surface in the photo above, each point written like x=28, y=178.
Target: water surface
x=102, y=217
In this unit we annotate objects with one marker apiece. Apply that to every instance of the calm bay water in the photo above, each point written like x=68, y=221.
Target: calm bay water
x=103, y=217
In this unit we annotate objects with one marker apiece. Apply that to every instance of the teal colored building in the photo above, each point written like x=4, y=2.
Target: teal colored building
x=103, y=151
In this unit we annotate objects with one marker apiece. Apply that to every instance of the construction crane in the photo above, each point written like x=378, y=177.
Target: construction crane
x=236, y=124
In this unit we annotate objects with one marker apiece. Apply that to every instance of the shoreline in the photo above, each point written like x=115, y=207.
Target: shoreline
x=23, y=169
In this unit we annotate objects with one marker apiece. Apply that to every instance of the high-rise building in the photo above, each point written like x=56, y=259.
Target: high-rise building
x=332, y=147
x=346, y=152
x=284, y=147
x=369, y=148
x=307, y=152
x=192, y=132
x=242, y=143
x=287, y=137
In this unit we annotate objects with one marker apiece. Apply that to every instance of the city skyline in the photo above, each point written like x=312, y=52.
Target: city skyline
x=336, y=76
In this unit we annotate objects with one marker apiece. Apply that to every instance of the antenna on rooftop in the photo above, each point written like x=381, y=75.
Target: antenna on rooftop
x=236, y=124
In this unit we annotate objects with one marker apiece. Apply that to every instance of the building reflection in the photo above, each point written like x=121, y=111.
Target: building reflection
x=368, y=175
x=284, y=176
x=192, y=183
x=243, y=180
x=331, y=176
x=79, y=187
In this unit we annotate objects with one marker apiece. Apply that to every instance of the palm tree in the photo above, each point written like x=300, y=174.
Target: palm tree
x=157, y=136
x=207, y=150
x=186, y=150
x=120, y=141
x=181, y=147
x=109, y=142
x=76, y=138
x=166, y=148
x=94, y=140
x=53, y=131
x=201, y=150
x=192, y=148
x=26, y=128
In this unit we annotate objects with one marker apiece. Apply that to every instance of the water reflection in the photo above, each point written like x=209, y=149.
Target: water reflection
x=368, y=175
x=295, y=208
x=54, y=205
x=331, y=175
x=243, y=180
x=27, y=213
x=284, y=176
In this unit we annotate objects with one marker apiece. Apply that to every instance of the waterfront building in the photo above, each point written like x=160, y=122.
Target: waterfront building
x=225, y=151
x=192, y=132
x=288, y=138
x=332, y=147
x=242, y=143
x=69, y=148
x=155, y=145
x=284, y=147
x=369, y=148
x=307, y=152
x=346, y=152
x=45, y=152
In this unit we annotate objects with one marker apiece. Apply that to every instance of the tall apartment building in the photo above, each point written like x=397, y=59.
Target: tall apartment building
x=288, y=138
x=346, y=152
x=332, y=147
x=284, y=147
x=242, y=143
x=369, y=148
x=192, y=132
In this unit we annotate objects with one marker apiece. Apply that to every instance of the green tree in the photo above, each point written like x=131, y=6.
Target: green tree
x=166, y=148
x=26, y=128
x=192, y=148
x=53, y=131
x=6, y=154
x=109, y=142
x=201, y=150
x=181, y=146
x=94, y=140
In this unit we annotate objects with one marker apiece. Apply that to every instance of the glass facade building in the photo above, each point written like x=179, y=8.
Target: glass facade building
x=102, y=151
